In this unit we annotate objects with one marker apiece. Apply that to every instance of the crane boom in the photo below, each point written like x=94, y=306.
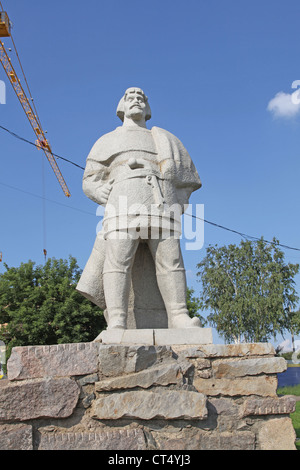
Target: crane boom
x=33, y=118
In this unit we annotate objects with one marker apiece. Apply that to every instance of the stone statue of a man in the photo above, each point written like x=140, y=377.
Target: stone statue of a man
x=138, y=174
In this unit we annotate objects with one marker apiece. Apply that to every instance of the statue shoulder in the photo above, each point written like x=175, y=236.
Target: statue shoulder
x=159, y=132
x=104, y=145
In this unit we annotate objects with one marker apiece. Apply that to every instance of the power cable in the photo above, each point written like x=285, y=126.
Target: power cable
x=244, y=235
x=38, y=146
x=46, y=199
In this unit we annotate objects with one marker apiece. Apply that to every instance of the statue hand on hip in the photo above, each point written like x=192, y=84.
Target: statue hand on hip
x=104, y=192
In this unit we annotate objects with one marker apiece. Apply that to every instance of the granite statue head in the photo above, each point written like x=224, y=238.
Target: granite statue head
x=134, y=105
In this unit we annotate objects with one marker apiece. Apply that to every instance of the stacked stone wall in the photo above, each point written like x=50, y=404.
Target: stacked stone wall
x=137, y=397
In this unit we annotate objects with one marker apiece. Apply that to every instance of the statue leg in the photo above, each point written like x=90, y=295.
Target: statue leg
x=116, y=288
x=118, y=263
x=171, y=280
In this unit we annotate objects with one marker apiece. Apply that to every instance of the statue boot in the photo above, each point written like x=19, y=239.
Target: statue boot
x=172, y=287
x=116, y=291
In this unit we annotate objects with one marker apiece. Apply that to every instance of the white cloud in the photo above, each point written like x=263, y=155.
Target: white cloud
x=286, y=105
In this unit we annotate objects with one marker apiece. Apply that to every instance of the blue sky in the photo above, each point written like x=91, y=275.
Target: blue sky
x=210, y=70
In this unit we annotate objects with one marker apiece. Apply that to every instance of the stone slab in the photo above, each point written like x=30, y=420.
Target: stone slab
x=203, y=440
x=161, y=336
x=241, y=368
x=244, y=440
x=268, y=406
x=117, y=359
x=163, y=375
x=59, y=360
x=16, y=437
x=172, y=404
x=277, y=434
x=37, y=398
x=119, y=439
x=254, y=385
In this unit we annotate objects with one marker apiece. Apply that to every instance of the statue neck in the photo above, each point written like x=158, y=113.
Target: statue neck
x=131, y=123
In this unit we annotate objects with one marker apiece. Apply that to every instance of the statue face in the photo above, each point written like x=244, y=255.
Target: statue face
x=134, y=104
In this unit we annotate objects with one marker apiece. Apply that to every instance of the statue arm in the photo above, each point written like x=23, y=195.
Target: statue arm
x=180, y=168
x=95, y=184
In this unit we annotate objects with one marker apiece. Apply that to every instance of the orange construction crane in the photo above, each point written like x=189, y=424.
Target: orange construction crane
x=42, y=142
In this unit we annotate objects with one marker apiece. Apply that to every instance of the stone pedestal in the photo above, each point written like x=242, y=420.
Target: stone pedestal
x=157, y=337
x=144, y=397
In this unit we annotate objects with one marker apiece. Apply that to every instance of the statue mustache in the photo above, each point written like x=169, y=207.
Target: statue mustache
x=135, y=105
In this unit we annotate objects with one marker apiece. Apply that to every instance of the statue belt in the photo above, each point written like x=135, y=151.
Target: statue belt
x=151, y=178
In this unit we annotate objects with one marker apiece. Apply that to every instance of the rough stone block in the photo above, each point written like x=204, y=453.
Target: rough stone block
x=16, y=437
x=119, y=439
x=87, y=379
x=262, y=365
x=277, y=434
x=176, y=441
x=244, y=440
x=27, y=362
x=201, y=364
x=204, y=374
x=37, y=398
x=148, y=405
x=203, y=440
x=262, y=385
x=269, y=406
x=164, y=374
x=223, y=407
x=118, y=359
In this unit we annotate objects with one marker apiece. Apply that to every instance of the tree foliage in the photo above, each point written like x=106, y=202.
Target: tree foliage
x=40, y=305
x=194, y=305
x=295, y=321
x=249, y=290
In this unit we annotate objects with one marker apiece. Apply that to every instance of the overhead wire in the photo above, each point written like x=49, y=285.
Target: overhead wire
x=46, y=199
x=244, y=235
x=38, y=147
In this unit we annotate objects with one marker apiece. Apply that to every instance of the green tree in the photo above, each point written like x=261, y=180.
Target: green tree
x=40, y=305
x=249, y=290
x=295, y=325
x=194, y=305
